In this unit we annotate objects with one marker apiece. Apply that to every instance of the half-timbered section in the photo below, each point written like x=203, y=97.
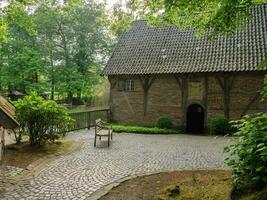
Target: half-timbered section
x=157, y=72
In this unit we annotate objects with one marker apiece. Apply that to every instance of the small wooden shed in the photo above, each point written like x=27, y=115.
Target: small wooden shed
x=7, y=120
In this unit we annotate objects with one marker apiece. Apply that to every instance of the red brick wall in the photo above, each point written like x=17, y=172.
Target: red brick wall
x=164, y=98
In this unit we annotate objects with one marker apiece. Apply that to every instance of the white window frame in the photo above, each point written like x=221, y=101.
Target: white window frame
x=129, y=85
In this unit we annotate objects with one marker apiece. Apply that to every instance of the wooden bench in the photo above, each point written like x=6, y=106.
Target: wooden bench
x=102, y=129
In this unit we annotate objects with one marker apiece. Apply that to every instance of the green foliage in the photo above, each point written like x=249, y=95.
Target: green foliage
x=141, y=129
x=118, y=21
x=43, y=120
x=48, y=47
x=219, y=16
x=248, y=156
x=24, y=71
x=220, y=126
x=15, y=13
x=164, y=122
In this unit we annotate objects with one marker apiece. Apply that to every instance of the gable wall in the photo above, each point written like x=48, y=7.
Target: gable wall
x=164, y=98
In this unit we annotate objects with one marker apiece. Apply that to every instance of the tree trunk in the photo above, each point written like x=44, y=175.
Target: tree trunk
x=52, y=77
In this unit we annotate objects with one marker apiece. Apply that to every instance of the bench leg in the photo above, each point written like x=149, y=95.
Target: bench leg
x=108, y=139
x=111, y=136
x=99, y=137
x=95, y=141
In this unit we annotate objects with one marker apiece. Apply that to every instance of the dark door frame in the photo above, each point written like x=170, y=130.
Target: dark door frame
x=195, y=118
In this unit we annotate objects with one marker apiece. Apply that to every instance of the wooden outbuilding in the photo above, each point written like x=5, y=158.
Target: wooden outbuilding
x=7, y=120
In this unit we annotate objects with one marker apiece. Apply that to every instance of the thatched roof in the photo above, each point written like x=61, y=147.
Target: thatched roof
x=147, y=50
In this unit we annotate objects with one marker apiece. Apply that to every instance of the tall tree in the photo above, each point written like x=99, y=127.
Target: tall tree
x=76, y=40
x=69, y=39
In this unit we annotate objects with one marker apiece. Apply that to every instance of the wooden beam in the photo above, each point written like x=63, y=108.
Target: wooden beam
x=226, y=97
x=113, y=83
x=112, y=86
x=146, y=83
x=218, y=78
x=185, y=99
x=226, y=83
x=205, y=99
x=177, y=78
x=232, y=79
x=253, y=100
x=151, y=81
x=183, y=86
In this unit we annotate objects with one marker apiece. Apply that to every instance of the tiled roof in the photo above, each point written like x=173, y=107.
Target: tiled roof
x=147, y=50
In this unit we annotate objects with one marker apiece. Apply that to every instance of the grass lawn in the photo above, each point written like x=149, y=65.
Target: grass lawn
x=23, y=154
x=141, y=129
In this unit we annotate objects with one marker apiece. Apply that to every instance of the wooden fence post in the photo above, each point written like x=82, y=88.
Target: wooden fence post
x=88, y=120
x=84, y=119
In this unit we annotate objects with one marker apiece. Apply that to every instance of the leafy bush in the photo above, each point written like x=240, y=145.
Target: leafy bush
x=220, y=126
x=43, y=120
x=248, y=156
x=141, y=129
x=164, y=122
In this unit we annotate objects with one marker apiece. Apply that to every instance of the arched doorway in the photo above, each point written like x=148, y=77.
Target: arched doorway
x=195, y=119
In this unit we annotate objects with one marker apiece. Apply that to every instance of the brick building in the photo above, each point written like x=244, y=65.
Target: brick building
x=157, y=72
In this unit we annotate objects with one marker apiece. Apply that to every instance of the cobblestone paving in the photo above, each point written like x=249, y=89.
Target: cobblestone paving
x=7, y=173
x=79, y=174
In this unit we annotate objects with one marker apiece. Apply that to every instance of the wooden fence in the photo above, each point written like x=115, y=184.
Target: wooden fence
x=86, y=119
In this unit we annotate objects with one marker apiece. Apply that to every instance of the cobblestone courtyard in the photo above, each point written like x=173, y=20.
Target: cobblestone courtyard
x=79, y=174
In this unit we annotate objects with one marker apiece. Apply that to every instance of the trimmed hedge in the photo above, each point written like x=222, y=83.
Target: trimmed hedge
x=141, y=129
x=164, y=122
x=220, y=126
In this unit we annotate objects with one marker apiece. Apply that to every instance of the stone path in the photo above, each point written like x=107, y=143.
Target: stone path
x=79, y=174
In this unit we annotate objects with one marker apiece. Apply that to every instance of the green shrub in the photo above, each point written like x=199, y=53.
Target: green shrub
x=220, y=126
x=248, y=156
x=141, y=129
x=164, y=122
x=43, y=120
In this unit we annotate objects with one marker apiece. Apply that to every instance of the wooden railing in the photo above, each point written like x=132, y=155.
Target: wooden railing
x=86, y=119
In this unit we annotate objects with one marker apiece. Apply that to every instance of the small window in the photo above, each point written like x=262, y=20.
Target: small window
x=129, y=86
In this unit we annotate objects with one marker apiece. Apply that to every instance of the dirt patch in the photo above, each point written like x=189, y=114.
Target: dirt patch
x=179, y=185
x=258, y=195
x=23, y=154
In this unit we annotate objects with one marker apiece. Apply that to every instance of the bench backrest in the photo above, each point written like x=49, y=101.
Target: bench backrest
x=98, y=125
